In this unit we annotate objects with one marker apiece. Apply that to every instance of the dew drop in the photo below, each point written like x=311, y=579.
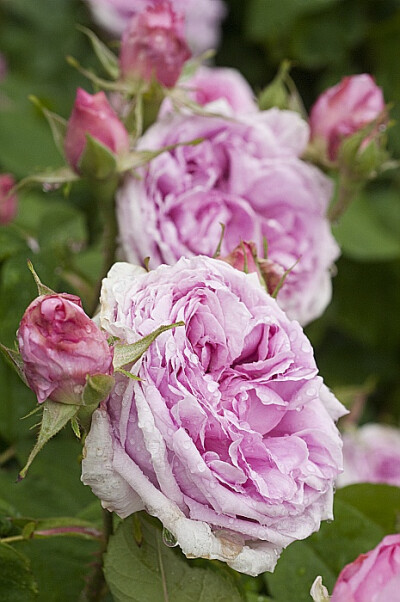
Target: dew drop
x=168, y=539
x=99, y=452
x=298, y=409
x=305, y=347
x=293, y=335
x=212, y=387
x=311, y=392
x=186, y=444
x=201, y=467
x=231, y=521
x=49, y=186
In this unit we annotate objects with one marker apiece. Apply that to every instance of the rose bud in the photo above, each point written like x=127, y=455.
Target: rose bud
x=344, y=110
x=272, y=274
x=372, y=576
x=8, y=202
x=60, y=345
x=243, y=257
x=371, y=454
x=154, y=46
x=93, y=115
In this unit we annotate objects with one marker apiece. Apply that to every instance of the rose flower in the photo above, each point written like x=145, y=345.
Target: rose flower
x=229, y=437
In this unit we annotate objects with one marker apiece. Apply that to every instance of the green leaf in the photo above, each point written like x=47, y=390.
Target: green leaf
x=370, y=228
x=42, y=288
x=17, y=583
x=14, y=359
x=152, y=571
x=128, y=354
x=364, y=514
x=57, y=124
x=55, y=417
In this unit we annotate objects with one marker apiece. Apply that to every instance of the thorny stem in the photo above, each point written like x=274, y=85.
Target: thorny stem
x=96, y=587
x=55, y=532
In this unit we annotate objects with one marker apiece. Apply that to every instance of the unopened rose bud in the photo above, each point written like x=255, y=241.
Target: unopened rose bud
x=343, y=110
x=93, y=115
x=272, y=274
x=8, y=202
x=60, y=346
x=243, y=257
x=154, y=46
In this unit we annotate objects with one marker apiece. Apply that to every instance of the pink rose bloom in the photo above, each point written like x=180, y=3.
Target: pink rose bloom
x=154, y=46
x=93, y=115
x=229, y=437
x=8, y=203
x=60, y=345
x=343, y=110
x=372, y=577
x=202, y=18
x=212, y=83
x=371, y=455
x=246, y=174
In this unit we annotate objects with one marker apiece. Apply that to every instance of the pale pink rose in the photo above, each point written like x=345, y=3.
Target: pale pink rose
x=343, y=110
x=246, y=173
x=371, y=455
x=60, y=345
x=93, y=115
x=372, y=577
x=212, y=83
x=8, y=202
x=154, y=46
x=202, y=18
x=229, y=437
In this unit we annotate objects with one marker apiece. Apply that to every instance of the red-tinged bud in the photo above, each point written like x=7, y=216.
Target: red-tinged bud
x=93, y=115
x=243, y=257
x=154, y=46
x=343, y=110
x=60, y=346
x=8, y=202
x=272, y=274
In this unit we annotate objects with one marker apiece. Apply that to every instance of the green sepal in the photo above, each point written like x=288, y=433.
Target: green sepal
x=137, y=159
x=14, y=359
x=282, y=93
x=128, y=374
x=129, y=354
x=55, y=416
x=57, y=124
x=97, y=388
x=97, y=160
x=42, y=288
x=107, y=58
x=281, y=282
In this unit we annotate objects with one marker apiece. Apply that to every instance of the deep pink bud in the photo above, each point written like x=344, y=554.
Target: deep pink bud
x=154, y=46
x=60, y=345
x=343, y=110
x=92, y=114
x=8, y=203
x=271, y=272
x=242, y=257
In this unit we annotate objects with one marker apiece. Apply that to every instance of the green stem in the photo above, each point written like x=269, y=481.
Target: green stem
x=96, y=587
x=85, y=532
x=347, y=191
x=105, y=193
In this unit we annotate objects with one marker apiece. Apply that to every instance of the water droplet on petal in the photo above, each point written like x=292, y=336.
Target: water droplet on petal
x=201, y=467
x=168, y=539
x=311, y=392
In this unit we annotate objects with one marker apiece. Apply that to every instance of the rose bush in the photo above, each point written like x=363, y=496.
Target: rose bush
x=371, y=454
x=372, y=577
x=203, y=18
x=246, y=174
x=60, y=345
x=229, y=436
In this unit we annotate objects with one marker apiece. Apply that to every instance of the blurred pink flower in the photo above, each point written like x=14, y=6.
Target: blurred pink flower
x=246, y=173
x=371, y=455
x=372, y=577
x=343, y=110
x=60, y=345
x=154, y=46
x=202, y=18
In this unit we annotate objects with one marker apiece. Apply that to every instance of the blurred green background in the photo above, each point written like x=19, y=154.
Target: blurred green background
x=356, y=341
